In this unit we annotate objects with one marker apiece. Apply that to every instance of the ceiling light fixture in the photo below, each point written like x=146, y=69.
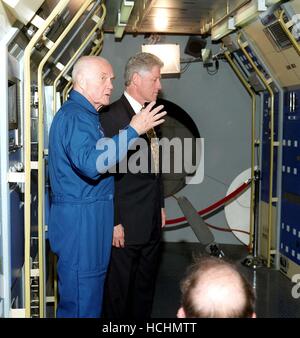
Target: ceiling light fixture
x=161, y=20
x=169, y=55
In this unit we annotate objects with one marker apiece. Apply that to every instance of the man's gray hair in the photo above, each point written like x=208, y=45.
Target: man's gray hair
x=140, y=62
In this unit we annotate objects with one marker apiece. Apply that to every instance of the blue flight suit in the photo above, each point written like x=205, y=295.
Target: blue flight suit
x=81, y=215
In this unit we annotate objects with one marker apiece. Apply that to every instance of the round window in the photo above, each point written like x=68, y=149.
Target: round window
x=179, y=157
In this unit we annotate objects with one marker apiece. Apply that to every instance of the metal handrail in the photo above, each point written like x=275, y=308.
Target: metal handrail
x=253, y=96
x=41, y=174
x=288, y=33
x=79, y=50
x=77, y=30
x=95, y=51
x=63, y=71
x=269, y=89
x=27, y=145
x=67, y=90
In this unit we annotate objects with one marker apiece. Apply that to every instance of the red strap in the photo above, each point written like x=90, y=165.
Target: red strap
x=214, y=206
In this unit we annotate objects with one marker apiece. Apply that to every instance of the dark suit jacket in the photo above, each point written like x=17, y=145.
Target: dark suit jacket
x=138, y=197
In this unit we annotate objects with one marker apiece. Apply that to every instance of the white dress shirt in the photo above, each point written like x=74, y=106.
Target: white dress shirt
x=136, y=106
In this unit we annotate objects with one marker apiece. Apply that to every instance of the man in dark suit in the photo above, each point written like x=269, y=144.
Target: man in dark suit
x=139, y=202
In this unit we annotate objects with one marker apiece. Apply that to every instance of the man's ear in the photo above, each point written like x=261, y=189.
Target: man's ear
x=135, y=78
x=81, y=81
x=181, y=313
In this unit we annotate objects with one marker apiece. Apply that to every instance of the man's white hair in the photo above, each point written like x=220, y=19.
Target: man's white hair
x=82, y=65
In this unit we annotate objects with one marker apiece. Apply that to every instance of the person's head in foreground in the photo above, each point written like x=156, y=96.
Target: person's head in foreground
x=214, y=288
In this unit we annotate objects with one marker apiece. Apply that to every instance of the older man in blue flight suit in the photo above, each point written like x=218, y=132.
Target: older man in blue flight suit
x=81, y=215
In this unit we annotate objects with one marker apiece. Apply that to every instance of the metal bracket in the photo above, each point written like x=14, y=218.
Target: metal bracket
x=15, y=177
x=34, y=272
x=34, y=165
x=37, y=21
x=17, y=313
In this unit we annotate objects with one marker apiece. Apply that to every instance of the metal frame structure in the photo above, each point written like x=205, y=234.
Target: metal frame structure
x=253, y=134
x=40, y=165
x=291, y=37
x=81, y=48
x=5, y=224
x=96, y=50
x=243, y=46
x=28, y=164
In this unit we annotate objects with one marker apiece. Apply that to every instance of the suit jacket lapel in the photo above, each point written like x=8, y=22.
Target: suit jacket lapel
x=129, y=110
x=130, y=113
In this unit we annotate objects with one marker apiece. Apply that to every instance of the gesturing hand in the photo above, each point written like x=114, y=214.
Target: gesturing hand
x=148, y=118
